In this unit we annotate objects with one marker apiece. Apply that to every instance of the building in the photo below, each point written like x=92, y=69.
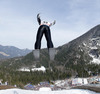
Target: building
x=79, y=81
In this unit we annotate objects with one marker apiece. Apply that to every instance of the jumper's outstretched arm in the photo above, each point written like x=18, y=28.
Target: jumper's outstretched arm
x=53, y=23
x=38, y=18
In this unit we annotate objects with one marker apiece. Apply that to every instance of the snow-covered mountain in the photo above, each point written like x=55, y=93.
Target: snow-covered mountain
x=86, y=46
x=91, y=44
x=11, y=51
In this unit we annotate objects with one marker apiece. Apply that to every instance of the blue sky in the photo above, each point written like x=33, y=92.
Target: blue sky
x=18, y=23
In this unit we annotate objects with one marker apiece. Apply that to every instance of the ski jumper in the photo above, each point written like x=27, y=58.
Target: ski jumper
x=43, y=29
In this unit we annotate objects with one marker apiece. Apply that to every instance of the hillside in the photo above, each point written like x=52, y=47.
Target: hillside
x=11, y=51
x=86, y=47
x=80, y=57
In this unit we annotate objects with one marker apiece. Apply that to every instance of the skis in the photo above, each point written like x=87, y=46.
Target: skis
x=36, y=54
x=51, y=51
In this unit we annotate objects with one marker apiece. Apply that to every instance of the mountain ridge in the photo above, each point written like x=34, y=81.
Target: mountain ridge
x=78, y=58
x=83, y=46
x=11, y=51
x=87, y=35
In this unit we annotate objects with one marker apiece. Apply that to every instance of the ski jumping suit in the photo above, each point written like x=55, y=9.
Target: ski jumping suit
x=43, y=29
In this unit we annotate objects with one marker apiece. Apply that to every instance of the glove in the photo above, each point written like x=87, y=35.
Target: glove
x=38, y=15
x=54, y=22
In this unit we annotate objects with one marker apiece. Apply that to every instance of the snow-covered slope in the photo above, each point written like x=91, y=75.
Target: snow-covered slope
x=42, y=68
x=87, y=45
x=92, y=47
x=20, y=91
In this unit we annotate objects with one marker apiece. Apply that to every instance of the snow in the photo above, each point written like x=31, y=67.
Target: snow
x=94, y=47
x=42, y=68
x=45, y=89
x=84, y=44
x=24, y=69
x=71, y=91
x=95, y=60
x=60, y=83
x=95, y=38
x=98, y=44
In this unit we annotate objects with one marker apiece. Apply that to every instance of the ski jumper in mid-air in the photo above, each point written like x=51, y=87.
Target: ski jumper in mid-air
x=44, y=28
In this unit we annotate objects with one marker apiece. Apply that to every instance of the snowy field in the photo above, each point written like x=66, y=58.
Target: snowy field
x=71, y=91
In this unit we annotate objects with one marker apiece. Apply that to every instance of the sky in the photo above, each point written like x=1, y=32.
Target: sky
x=18, y=22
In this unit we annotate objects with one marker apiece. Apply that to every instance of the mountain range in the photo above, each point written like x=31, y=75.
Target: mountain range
x=80, y=51
x=80, y=57
x=87, y=45
x=11, y=51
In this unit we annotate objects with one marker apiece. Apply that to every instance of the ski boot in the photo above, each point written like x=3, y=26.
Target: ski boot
x=52, y=53
x=36, y=54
